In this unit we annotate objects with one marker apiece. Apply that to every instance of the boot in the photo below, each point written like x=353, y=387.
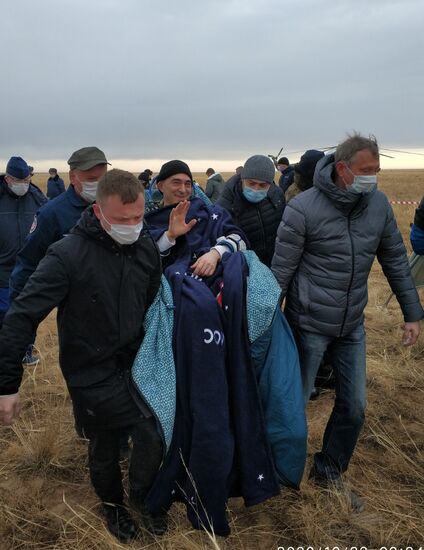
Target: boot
x=355, y=501
x=154, y=524
x=119, y=522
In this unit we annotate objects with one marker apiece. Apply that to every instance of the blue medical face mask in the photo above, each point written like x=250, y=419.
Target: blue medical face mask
x=254, y=196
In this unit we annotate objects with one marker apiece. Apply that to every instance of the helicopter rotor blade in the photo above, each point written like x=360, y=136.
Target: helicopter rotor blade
x=274, y=159
x=325, y=149
x=404, y=152
x=279, y=152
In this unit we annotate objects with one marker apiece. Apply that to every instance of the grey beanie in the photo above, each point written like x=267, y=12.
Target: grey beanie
x=258, y=167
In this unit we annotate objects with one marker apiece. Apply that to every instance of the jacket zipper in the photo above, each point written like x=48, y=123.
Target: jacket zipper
x=351, y=275
x=262, y=227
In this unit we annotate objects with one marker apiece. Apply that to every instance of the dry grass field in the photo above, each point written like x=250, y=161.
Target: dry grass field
x=46, y=501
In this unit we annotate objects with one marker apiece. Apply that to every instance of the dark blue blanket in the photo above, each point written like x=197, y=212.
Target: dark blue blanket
x=219, y=447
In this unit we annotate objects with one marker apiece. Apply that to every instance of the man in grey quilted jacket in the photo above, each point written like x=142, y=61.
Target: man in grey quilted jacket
x=326, y=244
x=214, y=185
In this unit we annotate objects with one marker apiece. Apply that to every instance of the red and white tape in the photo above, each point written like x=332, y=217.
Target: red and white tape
x=404, y=202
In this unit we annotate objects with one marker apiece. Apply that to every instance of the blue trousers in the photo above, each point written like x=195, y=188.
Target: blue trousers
x=347, y=356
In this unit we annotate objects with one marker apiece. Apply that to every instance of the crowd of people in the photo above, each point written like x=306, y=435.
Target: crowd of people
x=170, y=323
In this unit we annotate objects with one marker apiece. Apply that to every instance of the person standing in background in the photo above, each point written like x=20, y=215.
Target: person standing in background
x=256, y=204
x=54, y=219
x=60, y=214
x=55, y=184
x=214, y=185
x=19, y=201
x=287, y=173
x=417, y=230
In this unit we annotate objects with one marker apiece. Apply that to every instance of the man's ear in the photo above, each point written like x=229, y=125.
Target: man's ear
x=341, y=168
x=96, y=210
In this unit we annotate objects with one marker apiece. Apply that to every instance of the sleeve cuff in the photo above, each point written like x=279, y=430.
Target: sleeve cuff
x=221, y=249
x=164, y=243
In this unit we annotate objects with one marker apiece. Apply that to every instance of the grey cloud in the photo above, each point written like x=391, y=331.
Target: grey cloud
x=218, y=79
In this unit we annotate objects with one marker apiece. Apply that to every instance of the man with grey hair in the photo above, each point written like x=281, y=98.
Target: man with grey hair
x=326, y=244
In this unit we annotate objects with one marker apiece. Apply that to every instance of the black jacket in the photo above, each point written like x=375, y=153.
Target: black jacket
x=102, y=291
x=259, y=221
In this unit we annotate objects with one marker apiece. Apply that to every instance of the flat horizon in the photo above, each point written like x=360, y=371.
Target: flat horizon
x=401, y=161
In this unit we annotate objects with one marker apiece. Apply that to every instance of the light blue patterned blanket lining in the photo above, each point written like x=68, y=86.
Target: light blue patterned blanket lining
x=153, y=371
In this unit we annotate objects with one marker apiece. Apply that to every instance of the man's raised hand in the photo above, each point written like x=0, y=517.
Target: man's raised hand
x=177, y=224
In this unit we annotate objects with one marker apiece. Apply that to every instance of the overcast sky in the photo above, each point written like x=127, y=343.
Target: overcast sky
x=221, y=79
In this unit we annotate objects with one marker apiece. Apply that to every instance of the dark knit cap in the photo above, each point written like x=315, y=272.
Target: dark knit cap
x=17, y=168
x=173, y=167
x=283, y=160
x=258, y=167
x=306, y=166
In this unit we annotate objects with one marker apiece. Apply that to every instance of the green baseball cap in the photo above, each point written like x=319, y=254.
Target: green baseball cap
x=87, y=158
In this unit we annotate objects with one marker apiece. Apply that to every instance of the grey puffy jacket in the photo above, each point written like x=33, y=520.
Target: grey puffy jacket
x=326, y=244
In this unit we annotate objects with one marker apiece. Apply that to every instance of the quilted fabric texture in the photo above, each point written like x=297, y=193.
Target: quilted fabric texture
x=153, y=371
x=263, y=294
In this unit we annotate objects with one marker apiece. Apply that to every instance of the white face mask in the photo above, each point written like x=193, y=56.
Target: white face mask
x=19, y=189
x=122, y=233
x=89, y=190
x=362, y=185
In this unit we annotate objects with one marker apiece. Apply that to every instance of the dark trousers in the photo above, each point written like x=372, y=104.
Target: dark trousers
x=103, y=458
